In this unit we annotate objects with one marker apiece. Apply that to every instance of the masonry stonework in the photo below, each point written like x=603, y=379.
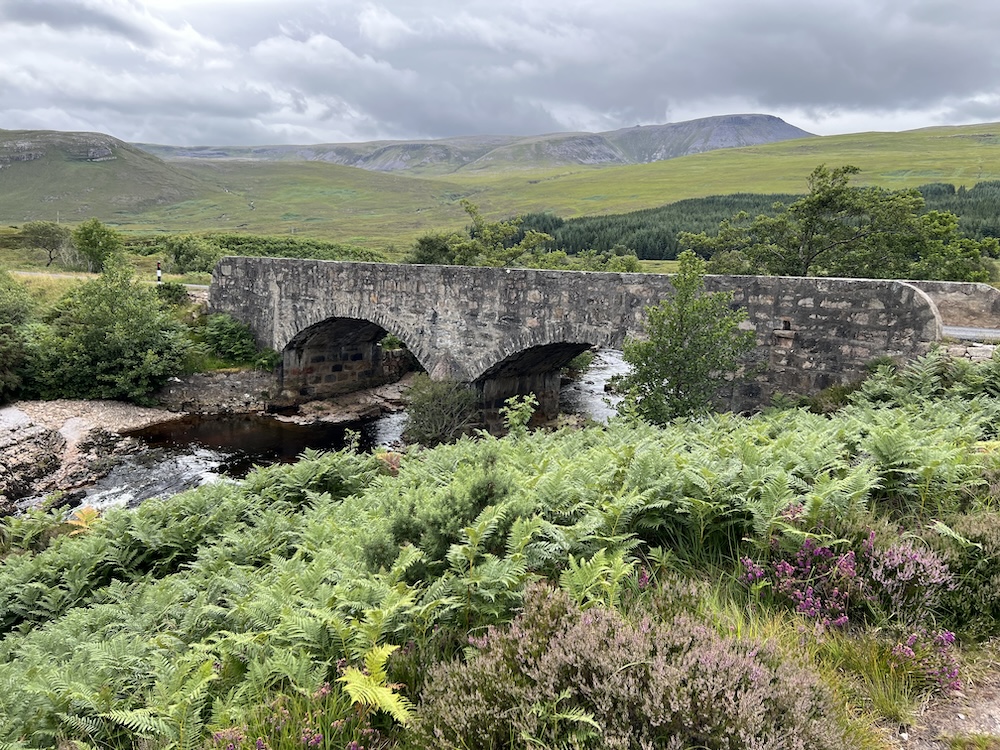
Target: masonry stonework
x=510, y=330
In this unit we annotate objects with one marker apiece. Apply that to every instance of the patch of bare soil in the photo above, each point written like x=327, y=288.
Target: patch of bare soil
x=974, y=712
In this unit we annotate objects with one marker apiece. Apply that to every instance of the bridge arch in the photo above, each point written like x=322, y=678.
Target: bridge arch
x=342, y=354
x=536, y=369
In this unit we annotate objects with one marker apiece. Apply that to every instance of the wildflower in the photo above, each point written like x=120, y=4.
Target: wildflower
x=643, y=578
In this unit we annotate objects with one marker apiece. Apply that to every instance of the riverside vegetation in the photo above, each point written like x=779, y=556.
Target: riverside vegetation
x=790, y=579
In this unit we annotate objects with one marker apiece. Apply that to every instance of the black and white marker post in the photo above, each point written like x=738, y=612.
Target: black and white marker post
x=159, y=273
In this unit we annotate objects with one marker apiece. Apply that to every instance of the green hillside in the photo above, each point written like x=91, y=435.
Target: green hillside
x=47, y=175
x=139, y=192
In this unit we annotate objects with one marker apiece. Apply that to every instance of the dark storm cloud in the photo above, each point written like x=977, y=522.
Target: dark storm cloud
x=69, y=16
x=250, y=71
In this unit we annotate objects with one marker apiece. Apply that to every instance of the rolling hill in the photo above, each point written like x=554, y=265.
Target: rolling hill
x=52, y=175
x=73, y=176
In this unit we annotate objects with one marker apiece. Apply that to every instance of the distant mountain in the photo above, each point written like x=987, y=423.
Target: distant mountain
x=637, y=145
x=73, y=176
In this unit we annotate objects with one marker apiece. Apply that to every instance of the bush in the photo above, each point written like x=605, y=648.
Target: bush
x=15, y=302
x=172, y=293
x=97, y=242
x=693, y=340
x=972, y=605
x=186, y=253
x=561, y=677
x=108, y=338
x=229, y=338
x=439, y=411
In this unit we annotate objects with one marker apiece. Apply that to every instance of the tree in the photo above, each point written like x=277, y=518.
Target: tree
x=187, y=253
x=841, y=230
x=108, y=338
x=693, y=339
x=49, y=236
x=96, y=242
x=439, y=411
x=15, y=308
x=506, y=243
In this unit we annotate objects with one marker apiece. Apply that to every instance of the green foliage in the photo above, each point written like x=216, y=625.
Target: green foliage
x=508, y=243
x=97, y=242
x=370, y=689
x=187, y=253
x=229, y=338
x=841, y=230
x=15, y=302
x=108, y=338
x=439, y=411
x=15, y=307
x=693, y=341
x=49, y=236
x=517, y=412
x=171, y=293
x=290, y=247
x=206, y=616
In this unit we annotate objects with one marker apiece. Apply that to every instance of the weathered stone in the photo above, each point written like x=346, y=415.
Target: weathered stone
x=962, y=304
x=506, y=328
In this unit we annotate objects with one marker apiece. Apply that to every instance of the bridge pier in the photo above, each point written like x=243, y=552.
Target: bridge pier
x=495, y=391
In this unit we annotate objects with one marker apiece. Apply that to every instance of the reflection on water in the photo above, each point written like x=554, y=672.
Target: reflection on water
x=189, y=452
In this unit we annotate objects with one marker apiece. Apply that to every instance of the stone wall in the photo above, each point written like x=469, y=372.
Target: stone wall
x=502, y=327
x=963, y=304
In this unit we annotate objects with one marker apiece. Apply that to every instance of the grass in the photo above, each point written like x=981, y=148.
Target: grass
x=387, y=211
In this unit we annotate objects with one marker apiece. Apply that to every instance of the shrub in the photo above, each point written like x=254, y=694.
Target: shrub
x=172, y=293
x=96, y=242
x=693, y=341
x=108, y=338
x=187, y=253
x=15, y=302
x=904, y=583
x=815, y=580
x=972, y=605
x=561, y=677
x=439, y=411
x=233, y=342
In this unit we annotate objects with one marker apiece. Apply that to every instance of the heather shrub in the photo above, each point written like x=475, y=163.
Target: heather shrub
x=557, y=676
x=904, y=583
x=972, y=604
x=814, y=580
x=929, y=659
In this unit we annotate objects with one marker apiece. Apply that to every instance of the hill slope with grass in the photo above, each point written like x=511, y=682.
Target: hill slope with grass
x=50, y=175
x=138, y=192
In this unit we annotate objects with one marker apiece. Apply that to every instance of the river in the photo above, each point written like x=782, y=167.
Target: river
x=186, y=453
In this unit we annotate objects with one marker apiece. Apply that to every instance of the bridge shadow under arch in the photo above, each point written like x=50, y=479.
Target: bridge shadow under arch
x=536, y=369
x=340, y=355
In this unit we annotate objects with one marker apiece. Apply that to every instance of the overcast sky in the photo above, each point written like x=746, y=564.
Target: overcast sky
x=235, y=72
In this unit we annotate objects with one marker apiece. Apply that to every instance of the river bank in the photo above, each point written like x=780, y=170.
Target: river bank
x=61, y=446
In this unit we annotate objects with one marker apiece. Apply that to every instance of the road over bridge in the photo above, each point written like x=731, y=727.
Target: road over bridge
x=510, y=330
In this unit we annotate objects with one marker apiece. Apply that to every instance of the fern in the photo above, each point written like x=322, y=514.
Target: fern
x=370, y=689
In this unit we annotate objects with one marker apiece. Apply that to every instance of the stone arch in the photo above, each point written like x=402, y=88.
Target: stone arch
x=535, y=369
x=341, y=354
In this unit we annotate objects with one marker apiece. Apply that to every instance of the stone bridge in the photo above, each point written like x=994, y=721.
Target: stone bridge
x=510, y=331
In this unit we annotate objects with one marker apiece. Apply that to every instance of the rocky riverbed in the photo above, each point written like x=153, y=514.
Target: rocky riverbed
x=61, y=446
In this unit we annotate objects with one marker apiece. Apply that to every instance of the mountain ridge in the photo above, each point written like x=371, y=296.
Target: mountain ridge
x=641, y=144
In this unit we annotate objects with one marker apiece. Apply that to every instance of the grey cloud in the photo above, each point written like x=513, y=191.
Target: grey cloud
x=70, y=16
x=366, y=69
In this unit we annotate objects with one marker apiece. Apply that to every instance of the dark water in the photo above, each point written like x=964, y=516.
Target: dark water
x=192, y=451
x=195, y=450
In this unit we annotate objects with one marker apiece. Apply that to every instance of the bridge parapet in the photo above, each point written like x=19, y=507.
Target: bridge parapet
x=508, y=329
